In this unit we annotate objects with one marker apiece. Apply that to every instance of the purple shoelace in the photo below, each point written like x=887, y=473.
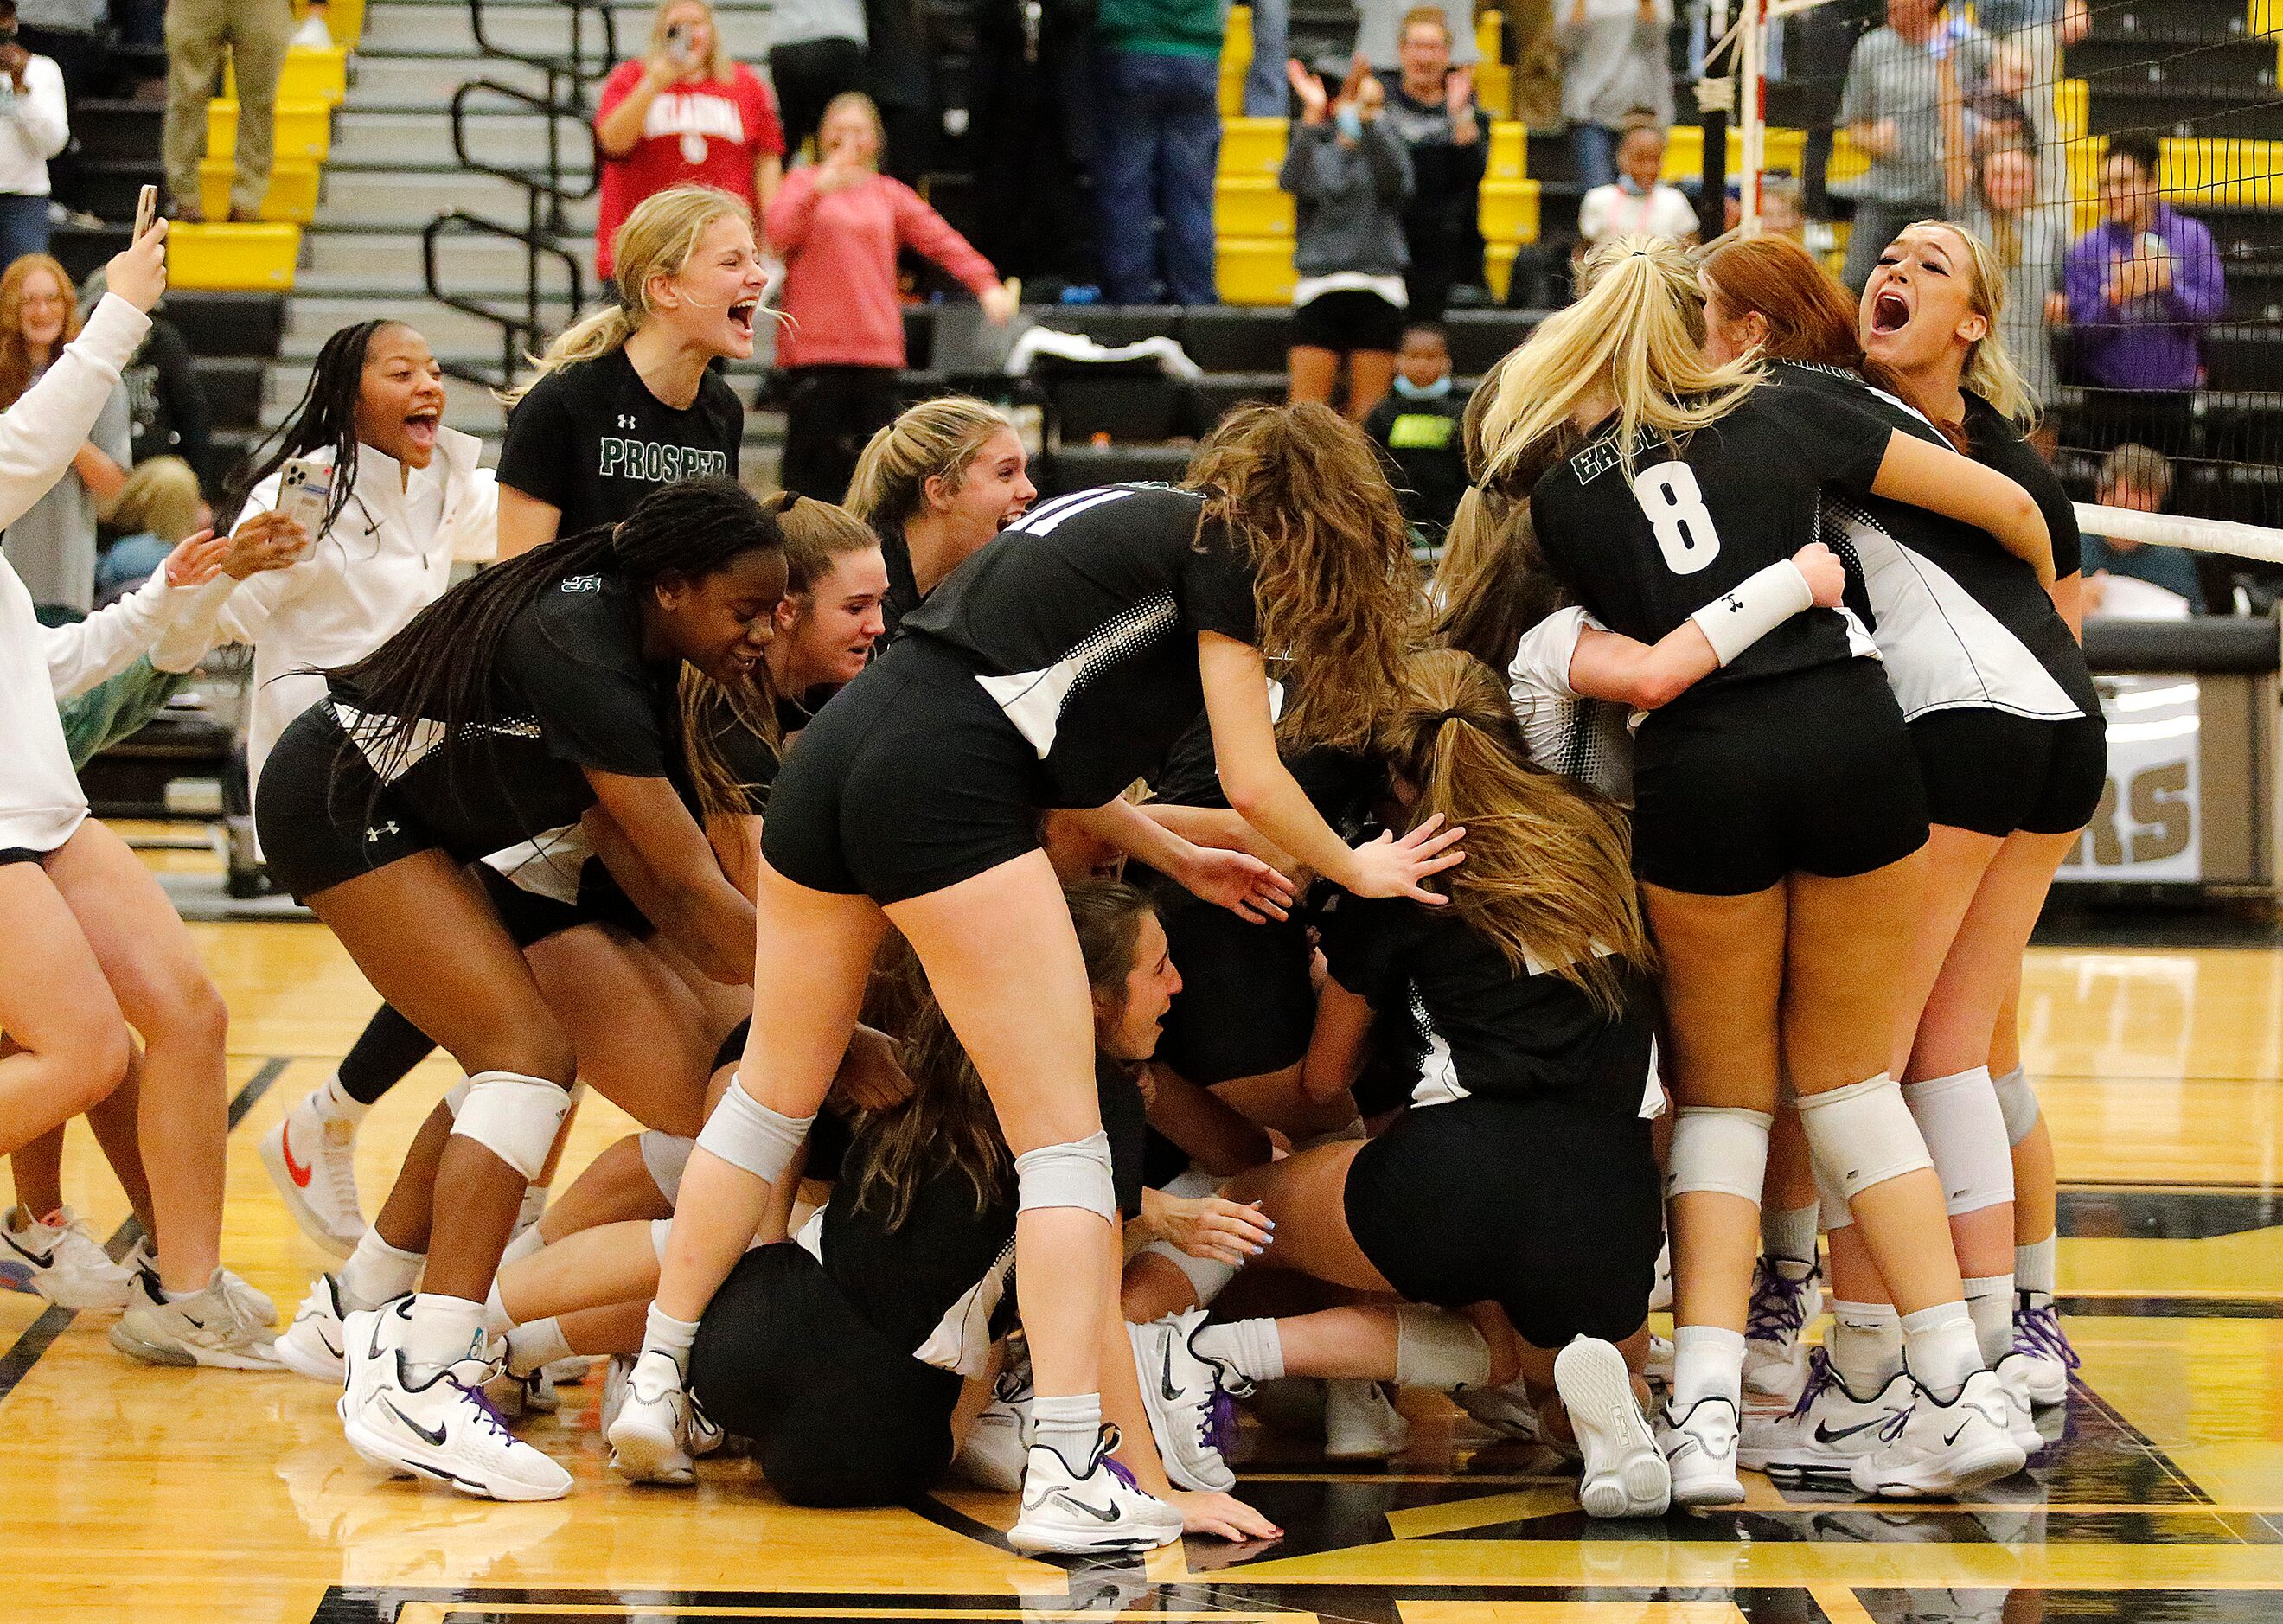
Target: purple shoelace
x=1117, y=1470
x=1820, y=1375
x=476, y=1393
x=2038, y=1331
x=1778, y=1311
x=1221, y=1421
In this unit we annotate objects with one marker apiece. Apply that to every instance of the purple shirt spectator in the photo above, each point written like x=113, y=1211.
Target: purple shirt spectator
x=2151, y=338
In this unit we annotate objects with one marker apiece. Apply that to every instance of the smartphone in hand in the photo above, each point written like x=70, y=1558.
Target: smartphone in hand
x=305, y=489
x=146, y=211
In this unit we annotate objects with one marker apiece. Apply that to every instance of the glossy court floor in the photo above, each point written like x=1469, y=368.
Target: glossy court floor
x=128, y=1493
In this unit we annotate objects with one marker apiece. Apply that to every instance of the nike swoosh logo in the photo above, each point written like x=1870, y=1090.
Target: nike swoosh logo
x=295, y=1170
x=1108, y=1516
x=37, y=1260
x=436, y=1437
x=1165, y=1379
x=1828, y=1434
x=1953, y=1438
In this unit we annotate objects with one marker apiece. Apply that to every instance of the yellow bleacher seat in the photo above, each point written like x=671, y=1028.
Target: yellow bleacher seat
x=292, y=193
x=1510, y=211
x=304, y=128
x=2216, y=173
x=1235, y=61
x=1497, y=267
x=1252, y=146
x=248, y=258
x=1251, y=205
x=309, y=76
x=1684, y=152
x=1256, y=270
x=2071, y=100
x=1493, y=79
x=344, y=20
x=1509, y=158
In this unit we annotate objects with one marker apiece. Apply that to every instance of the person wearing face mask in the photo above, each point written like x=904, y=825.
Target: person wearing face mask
x=1637, y=203
x=626, y=400
x=51, y=544
x=839, y=224
x=1416, y=429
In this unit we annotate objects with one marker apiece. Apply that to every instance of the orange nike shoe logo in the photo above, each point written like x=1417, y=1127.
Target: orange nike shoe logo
x=298, y=1173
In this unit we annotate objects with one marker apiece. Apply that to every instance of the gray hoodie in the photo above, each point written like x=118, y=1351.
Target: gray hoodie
x=1351, y=198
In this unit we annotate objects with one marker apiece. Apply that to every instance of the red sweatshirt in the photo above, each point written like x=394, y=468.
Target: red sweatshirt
x=840, y=267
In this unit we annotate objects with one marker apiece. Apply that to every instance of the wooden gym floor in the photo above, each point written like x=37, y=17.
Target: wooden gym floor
x=128, y=1492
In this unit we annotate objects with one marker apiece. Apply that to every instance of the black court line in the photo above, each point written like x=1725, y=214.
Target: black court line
x=41, y=1334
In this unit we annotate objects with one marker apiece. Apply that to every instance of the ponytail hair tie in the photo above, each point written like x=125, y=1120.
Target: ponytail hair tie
x=785, y=500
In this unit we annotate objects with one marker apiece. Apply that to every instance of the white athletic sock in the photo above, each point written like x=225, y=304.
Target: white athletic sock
x=1708, y=1361
x=2033, y=1270
x=335, y=1104
x=1788, y=1234
x=1068, y=1425
x=1989, y=1304
x=1253, y=1348
x=497, y=1321
x=541, y=1342
x=378, y=1272
x=522, y=1245
x=1865, y=1345
x=1941, y=1349
x=662, y=1333
x=443, y=1331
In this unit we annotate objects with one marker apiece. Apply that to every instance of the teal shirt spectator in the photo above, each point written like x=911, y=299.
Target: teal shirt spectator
x=2162, y=566
x=1162, y=27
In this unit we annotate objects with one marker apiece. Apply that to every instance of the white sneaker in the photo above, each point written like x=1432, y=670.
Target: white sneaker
x=1625, y=1474
x=441, y=1427
x=312, y=1344
x=648, y=1434
x=1700, y=1450
x=1188, y=1413
x=1657, y=1365
x=1782, y=1306
x=368, y=1340
x=2041, y=1358
x=312, y=1162
x=1821, y=1436
x=208, y=1327
x=69, y=1266
x=253, y=1302
x=1361, y=1422
x=999, y=1440
x=1090, y=1513
x=1506, y=1410
x=2021, y=1420
x=615, y=1377
x=1933, y=1450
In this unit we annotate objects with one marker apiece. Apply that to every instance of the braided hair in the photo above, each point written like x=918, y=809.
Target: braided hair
x=441, y=669
x=325, y=416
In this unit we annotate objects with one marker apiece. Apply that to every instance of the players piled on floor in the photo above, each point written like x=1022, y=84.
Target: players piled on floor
x=1083, y=968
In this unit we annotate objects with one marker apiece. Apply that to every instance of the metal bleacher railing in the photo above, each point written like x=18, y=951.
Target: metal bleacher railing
x=590, y=49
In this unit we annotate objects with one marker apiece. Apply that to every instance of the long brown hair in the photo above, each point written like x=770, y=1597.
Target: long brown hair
x=1334, y=590
x=1548, y=874
x=1810, y=317
x=15, y=354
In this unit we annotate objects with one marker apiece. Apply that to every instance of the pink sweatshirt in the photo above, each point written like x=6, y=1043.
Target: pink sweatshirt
x=840, y=267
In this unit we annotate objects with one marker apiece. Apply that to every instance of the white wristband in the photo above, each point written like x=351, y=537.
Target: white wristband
x=1766, y=600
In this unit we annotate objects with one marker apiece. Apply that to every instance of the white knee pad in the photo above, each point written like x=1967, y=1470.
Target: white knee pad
x=1207, y=1276
x=1073, y=1175
x=2019, y=1101
x=1718, y=1148
x=1830, y=1200
x=664, y=1156
x=1437, y=1348
x=512, y=1116
x=1965, y=1132
x=746, y=1133
x=1861, y=1135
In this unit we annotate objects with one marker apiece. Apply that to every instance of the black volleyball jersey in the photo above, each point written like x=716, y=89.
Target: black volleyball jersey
x=591, y=441
x=1486, y=1028
x=571, y=690
x=1960, y=622
x=1082, y=621
x=936, y=1283
x=1696, y=521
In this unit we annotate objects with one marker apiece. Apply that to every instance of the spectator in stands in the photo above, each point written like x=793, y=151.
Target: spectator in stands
x=1891, y=107
x=1349, y=175
x=34, y=128
x=1381, y=25
x=1267, y=93
x=256, y=33
x=687, y=114
x=165, y=402
x=1431, y=108
x=838, y=222
x=1783, y=206
x=1995, y=192
x=2136, y=478
x=1157, y=67
x=816, y=52
x=2034, y=32
x=70, y=34
x=1615, y=62
x=156, y=507
x=52, y=546
x=1637, y=203
x=2142, y=284
x=1416, y=429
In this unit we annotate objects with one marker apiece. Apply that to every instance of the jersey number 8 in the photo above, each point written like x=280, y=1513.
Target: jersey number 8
x=1674, y=503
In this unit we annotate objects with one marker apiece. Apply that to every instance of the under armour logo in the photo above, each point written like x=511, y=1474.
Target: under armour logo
x=379, y=830
x=625, y=419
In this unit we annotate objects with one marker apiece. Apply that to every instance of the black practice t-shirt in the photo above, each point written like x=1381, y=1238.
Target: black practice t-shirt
x=571, y=690
x=1081, y=621
x=937, y=1282
x=903, y=594
x=1997, y=442
x=592, y=440
x=1487, y=1030
x=1739, y=494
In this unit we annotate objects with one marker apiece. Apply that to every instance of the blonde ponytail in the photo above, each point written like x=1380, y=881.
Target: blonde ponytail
x=937, y=438
x=657, y=241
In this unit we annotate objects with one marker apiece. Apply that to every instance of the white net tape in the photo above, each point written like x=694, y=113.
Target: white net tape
x=2171, y=530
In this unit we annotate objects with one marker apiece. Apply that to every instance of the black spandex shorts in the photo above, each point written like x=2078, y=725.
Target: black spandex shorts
x=842, y=1417
x=318, y=814
x=1348, y=319
x=1548, y=1206
x=1809, y=771
x=531, y=916
x=910, y=780
x=1994, y=773
x=20, y=854
x=1246, y=1006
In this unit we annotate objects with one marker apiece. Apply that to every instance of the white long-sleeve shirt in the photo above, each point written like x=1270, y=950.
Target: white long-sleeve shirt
x=34, y=128
x=388, y=556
